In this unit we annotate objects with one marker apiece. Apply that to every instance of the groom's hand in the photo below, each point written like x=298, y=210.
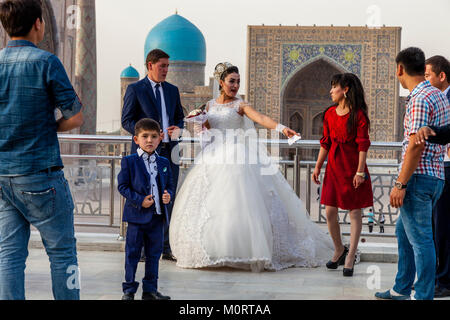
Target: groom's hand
x=174, y=132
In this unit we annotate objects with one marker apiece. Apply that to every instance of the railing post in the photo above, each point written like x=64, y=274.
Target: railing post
x=308, y=188
x=297, y=173
x=122, y=230
x=111, y=192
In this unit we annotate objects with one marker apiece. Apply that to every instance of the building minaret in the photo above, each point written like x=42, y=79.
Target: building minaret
x=86, y=69
x=127, y=77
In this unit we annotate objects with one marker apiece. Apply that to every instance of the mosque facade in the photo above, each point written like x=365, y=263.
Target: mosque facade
x=289, y=70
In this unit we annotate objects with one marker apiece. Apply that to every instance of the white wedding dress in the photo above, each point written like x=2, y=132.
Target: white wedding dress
x=227, y=213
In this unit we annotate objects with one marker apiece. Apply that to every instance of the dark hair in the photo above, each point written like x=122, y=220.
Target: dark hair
x=413, y=60
x=146, y=124
x=155, y=55
x=439, y=64
x=19, y=16
x=355, y=98
x=227, y=72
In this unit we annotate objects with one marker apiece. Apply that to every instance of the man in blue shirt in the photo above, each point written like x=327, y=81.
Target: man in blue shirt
x=33, y=189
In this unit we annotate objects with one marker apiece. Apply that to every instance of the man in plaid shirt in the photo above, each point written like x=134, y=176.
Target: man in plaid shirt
x=420, y=182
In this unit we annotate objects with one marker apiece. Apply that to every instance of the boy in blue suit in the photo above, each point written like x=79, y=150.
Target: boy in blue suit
x=145, y=181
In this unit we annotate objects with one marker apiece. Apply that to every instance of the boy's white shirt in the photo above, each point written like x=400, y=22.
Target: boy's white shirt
x=153, y=172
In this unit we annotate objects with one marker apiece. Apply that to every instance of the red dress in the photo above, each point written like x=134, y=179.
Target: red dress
x=343, y=158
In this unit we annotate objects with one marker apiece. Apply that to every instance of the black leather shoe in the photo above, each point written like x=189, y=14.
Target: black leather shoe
x=440, y=292
x=128, y=296
x=339, y=262
x=154, y=296
x=168, y=256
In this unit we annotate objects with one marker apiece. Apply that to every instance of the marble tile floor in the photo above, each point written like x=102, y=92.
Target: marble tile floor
x=102, y=274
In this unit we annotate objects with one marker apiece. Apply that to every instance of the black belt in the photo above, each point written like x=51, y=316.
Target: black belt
x=51, y=169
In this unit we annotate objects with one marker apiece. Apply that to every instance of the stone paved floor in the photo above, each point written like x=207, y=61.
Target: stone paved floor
x=102, y=274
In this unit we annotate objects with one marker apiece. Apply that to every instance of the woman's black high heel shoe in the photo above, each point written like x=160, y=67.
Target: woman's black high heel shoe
x=349, y=272
x=339, y=262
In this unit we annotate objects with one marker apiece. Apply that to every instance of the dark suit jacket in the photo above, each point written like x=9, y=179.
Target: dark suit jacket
x=134, y=186
x=140, y=102
x=442, y=133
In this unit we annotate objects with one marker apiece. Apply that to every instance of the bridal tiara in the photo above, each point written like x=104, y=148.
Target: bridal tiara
x=220, y=69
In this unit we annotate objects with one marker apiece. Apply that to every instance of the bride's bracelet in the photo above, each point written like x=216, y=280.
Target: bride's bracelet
x=280, y=128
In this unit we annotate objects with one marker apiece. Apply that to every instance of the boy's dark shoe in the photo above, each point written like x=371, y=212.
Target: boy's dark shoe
x=128, y=296
x=154, y=296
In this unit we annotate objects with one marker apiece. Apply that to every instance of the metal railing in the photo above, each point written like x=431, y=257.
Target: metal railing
x=301, y=172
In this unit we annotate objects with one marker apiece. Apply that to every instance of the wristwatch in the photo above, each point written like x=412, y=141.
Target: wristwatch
x=400, y=186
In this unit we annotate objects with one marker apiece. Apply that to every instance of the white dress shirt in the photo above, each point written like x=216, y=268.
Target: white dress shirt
x=164, y=116
x=152, y=169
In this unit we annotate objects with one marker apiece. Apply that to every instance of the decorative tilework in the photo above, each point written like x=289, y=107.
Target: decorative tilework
x=383, y=67
x=289, y=64
x=348, y=56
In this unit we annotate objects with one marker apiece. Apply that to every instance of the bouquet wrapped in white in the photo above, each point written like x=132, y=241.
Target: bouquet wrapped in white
x=198, y=115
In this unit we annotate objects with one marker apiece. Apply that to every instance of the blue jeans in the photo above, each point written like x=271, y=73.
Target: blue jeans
x=416, y=252
x=44, y=201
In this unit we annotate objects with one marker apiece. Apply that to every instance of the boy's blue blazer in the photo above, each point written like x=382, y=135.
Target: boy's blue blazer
x=134, y=186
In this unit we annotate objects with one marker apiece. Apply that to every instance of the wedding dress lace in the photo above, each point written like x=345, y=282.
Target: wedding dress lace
x=229, y=214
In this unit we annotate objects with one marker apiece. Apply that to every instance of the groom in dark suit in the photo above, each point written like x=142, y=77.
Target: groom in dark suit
x=154, y=98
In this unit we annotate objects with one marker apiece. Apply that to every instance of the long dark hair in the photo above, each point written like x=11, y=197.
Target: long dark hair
x=355, y=98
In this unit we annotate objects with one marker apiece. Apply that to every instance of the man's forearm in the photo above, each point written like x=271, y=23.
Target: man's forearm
x=65, y=125
x=442, y=135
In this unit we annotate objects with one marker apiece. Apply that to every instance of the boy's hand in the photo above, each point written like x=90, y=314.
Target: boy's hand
x=148, y=202
x=166, y=197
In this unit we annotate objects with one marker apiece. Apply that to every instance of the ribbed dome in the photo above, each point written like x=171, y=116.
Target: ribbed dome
x=130, y=72
x=179, y=38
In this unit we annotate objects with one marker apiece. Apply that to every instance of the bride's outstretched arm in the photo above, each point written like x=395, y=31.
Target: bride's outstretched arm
x=264, y=120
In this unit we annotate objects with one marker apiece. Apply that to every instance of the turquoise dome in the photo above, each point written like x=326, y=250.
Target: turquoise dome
x=130, y=72
x=179, y=38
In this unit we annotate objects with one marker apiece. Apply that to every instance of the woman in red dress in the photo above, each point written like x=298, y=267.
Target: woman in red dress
x=347, y=182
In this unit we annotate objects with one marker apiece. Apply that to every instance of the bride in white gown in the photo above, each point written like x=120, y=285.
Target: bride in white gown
x=229, y=210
